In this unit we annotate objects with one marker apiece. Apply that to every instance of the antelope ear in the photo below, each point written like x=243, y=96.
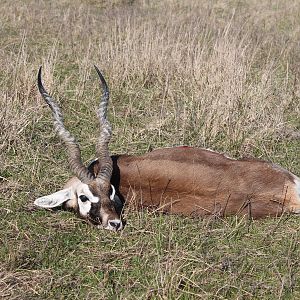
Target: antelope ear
x=53, y=200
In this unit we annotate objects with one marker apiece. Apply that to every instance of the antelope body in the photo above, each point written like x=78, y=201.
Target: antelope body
x=197, y=182
x=180, y=180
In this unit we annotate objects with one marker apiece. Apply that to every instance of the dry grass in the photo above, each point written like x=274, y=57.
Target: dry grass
x=218, y=74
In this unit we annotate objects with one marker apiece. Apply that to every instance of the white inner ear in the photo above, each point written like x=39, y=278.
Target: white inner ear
x=53, y=200
x=112, y=196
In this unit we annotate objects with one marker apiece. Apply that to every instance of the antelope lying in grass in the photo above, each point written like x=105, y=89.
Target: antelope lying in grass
x=180, y=180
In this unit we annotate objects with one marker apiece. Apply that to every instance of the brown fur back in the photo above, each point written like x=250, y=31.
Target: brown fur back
x=193, y=181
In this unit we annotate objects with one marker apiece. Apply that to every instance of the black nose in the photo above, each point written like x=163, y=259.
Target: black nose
x=116, y=224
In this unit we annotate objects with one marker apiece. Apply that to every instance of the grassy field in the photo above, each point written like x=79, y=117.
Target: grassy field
x=218, y=74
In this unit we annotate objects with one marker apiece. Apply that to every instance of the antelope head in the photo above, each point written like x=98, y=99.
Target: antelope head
x=90, y=195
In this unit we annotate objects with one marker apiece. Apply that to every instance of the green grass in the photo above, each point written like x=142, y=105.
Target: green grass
x=155, y=257
x=220, y=74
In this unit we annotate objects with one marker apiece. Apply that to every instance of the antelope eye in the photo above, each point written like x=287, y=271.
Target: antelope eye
x=83, y=198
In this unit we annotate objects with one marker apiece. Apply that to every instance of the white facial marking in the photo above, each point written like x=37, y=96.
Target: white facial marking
x=84, y=207
x=84, y=190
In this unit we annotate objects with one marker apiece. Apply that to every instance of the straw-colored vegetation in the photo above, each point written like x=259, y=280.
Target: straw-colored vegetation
x=218, y=74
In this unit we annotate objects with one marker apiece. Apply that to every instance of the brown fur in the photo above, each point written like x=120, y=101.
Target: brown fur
x=193, y=181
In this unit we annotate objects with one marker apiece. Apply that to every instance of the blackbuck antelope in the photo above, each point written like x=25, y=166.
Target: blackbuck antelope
x=180, y=180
